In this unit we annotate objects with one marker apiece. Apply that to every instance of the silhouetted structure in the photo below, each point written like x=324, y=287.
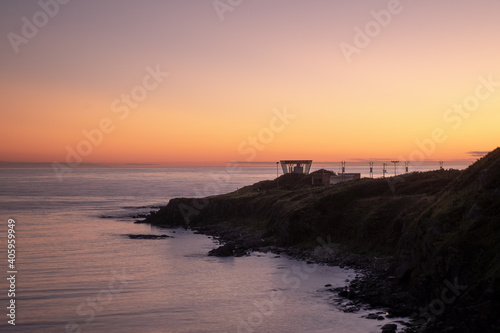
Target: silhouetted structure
x=345, y=177
x=296, y=166
x=395, y=167
x=321, y=177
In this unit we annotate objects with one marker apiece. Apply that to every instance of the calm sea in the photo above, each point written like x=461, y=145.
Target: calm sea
x=77, y=271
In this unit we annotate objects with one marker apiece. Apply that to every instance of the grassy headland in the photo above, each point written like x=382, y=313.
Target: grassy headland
x=437, y=229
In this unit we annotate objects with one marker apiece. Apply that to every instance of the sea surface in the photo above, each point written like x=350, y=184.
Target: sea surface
x=78, y=271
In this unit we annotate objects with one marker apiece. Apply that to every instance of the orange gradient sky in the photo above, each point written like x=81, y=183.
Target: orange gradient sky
x=228, y=79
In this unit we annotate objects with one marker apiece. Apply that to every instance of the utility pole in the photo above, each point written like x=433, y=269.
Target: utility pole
x=384, y=170
x=277, y=180
x=406, y=166
x=395, y=167
x=371, y=169
x=343, y=170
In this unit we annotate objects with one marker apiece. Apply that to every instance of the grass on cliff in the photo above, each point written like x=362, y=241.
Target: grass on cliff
x=368, y=215
x=463, y=226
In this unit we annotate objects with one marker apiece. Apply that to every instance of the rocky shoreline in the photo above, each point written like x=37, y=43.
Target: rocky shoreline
x=371, y=290
x=426, y=243
x=375, y=286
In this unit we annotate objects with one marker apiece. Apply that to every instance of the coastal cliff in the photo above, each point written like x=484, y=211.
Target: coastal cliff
x=430, y=241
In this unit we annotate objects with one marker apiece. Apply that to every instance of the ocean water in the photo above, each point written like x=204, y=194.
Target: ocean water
x=77, y=271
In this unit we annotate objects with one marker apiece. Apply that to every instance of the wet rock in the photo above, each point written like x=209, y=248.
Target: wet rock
x=344, y=293
x=138, y=216
x=108, y=216
x=374, y=316
x=144, y=236
x=350, y=308
x=226, y=250
x=389, y=328
x=240, y=252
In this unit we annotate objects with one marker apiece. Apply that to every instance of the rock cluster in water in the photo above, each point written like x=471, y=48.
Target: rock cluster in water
x=148, y=236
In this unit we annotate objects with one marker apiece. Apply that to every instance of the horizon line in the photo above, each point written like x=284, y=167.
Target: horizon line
x=18, y=164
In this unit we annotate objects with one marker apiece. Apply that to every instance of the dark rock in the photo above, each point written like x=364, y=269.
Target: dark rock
x=240, y=252
x=351, y=309
x=138, y=216
x=225, y=250
x=106, y=217
x=144, y=236
x=327, y=285
x=403, y=270
x=374, y=316
x=389, y=328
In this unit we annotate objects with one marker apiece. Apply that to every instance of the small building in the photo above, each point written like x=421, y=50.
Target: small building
x=345, y=177
x=320, y=178
x=296, y=166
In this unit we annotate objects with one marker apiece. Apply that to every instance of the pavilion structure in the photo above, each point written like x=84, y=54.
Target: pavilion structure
x=296, y=166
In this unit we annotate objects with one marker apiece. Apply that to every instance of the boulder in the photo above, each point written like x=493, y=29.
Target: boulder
x=226, y=250
x=389, y=328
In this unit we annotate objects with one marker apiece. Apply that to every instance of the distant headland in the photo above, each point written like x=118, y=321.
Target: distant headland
x=427, y=241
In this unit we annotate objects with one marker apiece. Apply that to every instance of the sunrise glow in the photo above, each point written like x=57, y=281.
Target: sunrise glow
x=189, y=83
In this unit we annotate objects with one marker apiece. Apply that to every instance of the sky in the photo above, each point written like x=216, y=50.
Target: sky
x=185, y=82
